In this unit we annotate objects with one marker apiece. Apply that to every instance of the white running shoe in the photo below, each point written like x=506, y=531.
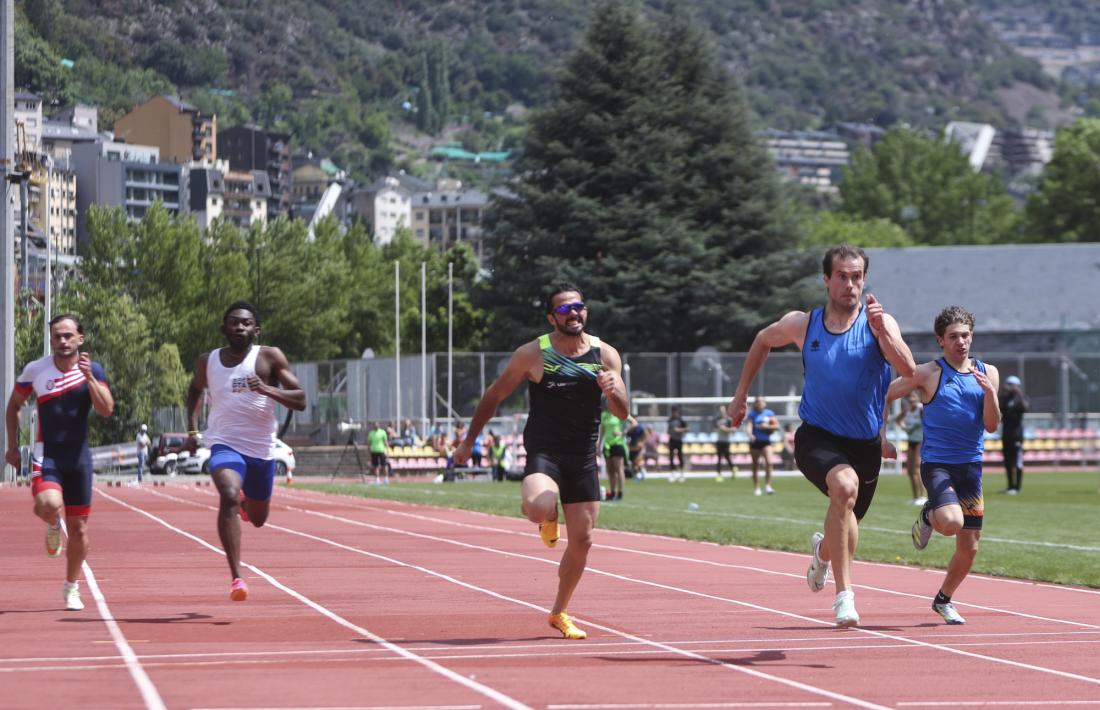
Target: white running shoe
x=845, y=607
x=54, y=547
x=818, y=573
x=756, y=491
x=922, y=531
x=70, y=591
x=949, y=613
x=920, y=501
x=768, y=489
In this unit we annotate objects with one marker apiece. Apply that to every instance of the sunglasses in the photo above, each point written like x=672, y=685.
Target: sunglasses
x=563, y=309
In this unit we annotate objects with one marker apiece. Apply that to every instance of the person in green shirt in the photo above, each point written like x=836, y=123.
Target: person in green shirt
x=614, y=454
x=497, y=450
x=378, y=441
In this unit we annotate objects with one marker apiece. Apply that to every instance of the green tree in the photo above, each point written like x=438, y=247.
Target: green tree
x=37, y=66
x=642, y=182
x=927, y=187
x=168, y=381
x=826, y=229
x=1064, y=208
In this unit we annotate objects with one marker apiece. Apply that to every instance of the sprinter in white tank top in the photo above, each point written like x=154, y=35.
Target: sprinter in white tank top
x=245, y=382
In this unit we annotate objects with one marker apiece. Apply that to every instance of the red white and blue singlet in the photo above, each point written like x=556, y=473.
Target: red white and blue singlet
x=61, y=458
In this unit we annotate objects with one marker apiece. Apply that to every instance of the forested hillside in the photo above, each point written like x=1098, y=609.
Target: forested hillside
x=343, y=74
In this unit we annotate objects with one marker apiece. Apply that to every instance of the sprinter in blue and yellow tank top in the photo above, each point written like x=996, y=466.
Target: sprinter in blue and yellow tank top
x=847, y=350
x=567, y=371
x=960, y=400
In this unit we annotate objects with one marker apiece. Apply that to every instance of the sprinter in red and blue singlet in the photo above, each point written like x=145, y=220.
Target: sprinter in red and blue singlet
x=568, y=371
x=66, y=385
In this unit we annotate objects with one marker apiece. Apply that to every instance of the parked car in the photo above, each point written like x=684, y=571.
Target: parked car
x=169, y=450
x=199, y=463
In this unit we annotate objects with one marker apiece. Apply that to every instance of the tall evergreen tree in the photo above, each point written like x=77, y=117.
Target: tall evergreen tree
x=643, y=182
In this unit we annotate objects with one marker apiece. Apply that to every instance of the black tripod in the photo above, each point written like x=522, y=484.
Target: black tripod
x=358, y=461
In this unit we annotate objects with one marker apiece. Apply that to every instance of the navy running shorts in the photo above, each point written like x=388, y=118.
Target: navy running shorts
x=956, y=484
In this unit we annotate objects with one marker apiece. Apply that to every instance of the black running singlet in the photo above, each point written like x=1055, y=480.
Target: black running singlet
x=565, y=403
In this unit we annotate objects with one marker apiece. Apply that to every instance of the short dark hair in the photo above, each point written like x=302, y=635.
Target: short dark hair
x=67, y=316
x=951, y=315
x=845, y=251
x=557, y=288
x=242, y=306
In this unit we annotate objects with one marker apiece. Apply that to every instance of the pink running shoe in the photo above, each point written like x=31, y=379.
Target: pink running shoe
x=238, y=591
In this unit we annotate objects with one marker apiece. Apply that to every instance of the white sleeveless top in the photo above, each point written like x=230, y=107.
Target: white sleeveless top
x=239, y=418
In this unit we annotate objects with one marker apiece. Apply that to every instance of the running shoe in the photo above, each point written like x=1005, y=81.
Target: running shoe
x=920, y=501
x=768, y=489
x=238, y=591
x=756, y=491
x=845, y=607
x=241, y=510
x=548, y=531
x=818, y=573
x=948, y=612
x=922, y=530
x=70, y=592
x=565, y=625
x=54, y=547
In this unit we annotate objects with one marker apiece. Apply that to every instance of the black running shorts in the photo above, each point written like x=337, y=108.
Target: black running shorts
x=817, y=452
x=577, y=475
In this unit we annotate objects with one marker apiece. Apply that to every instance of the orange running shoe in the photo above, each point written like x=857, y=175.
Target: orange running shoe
x=548, y=531
x=238, y=591
x=565, y=625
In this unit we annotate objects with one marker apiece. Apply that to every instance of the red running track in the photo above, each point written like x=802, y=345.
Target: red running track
x=372, y=604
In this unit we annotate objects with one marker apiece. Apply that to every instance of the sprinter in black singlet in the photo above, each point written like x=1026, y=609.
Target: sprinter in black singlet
x=567, y=371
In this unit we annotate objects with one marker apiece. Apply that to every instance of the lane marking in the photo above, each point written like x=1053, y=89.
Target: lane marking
x=144, y=684
x=657, y=644
x=681, y=590
x=480, y=688
x=325, y=497
x=750, y=568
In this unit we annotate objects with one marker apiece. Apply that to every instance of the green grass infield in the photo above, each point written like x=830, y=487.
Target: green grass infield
x=1047, y=533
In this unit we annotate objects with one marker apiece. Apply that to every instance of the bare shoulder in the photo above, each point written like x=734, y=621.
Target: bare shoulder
x=609, y=355
x=273, y=355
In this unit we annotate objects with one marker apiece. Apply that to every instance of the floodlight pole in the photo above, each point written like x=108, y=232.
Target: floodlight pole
x=424, y=349
x=450, y=345
x=48, y=287
x=397, y=340
x=7, y=226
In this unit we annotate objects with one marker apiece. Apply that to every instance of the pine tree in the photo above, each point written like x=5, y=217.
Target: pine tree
x=643, y=183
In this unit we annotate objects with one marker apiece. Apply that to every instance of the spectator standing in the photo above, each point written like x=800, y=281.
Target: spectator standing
x=677, y=427
x=143, y=443
x=1013, y=406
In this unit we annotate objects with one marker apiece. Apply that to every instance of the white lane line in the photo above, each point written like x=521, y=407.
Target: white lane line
x=325, y=497
x=481, y=688
x=851, y=641
x=521, y=602
x=438, y=654
x=748, y=568
x=141, y=679
x=814, y=524
x=681, y=590
x=351, y=707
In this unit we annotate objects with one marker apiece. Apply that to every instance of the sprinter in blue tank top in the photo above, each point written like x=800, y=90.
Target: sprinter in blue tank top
x=847, y=350
x=567, y=371
x=960, y=400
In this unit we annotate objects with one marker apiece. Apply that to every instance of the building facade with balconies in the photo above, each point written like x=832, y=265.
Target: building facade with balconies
x=181, y=132
x=249, y=148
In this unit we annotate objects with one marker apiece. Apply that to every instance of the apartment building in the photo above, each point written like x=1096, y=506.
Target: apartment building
x=249, y=148
x=132, y=177
x=449, y=214
x=238, y=196
x=812, y=158
x=182, y=133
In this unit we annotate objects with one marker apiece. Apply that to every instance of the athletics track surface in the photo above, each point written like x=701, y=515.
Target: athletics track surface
x=371, y=604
